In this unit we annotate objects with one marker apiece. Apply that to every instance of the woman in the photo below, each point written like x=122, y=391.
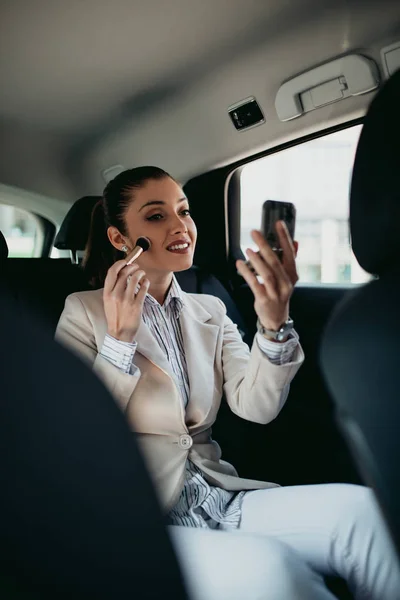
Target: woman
x=168, y=357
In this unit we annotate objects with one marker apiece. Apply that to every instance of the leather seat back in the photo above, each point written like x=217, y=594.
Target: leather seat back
x=78, y=514
x=360, y=350
x=41, y=285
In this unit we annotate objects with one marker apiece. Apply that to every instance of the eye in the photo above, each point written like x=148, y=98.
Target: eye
x=158, y=216
x=155, y=217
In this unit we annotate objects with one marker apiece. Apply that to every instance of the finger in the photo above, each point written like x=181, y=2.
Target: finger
x=270, y=258
x=267, y=254
x=133, y=283
x=284, y=236
x=268, y=276
x=112, y=275
x=251, y=280
x=141, y=295
x=122, y=281
x=288, y=250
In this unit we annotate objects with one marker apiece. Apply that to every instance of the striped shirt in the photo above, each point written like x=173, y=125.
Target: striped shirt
x=200, y=504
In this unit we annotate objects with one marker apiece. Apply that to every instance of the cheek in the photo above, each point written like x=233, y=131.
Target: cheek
x=193, y=230
x=143, y=229
x=133, y=234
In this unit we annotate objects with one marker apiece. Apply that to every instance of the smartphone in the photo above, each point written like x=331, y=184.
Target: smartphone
x=273, y=211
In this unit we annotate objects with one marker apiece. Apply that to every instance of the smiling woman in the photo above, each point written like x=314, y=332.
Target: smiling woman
x=141, y=202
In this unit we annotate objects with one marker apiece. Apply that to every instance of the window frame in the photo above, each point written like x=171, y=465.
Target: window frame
x=233, y=199
x=49, y=231
x=45, y=232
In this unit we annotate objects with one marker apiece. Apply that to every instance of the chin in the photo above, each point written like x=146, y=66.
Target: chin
x=182, y=264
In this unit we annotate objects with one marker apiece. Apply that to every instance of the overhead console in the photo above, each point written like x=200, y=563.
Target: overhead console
x=350, y=75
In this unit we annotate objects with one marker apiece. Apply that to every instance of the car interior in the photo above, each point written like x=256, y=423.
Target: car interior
x=240, y=102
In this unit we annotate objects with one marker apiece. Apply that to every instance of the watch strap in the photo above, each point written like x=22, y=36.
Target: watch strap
x=280, y=334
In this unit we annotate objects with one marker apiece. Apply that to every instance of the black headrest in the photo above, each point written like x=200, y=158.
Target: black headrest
x=375, y=193
x=74, y=231
x=3, y=247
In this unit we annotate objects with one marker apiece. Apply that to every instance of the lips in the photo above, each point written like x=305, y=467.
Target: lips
x=179, y=246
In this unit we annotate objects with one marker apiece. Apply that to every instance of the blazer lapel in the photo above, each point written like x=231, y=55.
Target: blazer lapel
x=148, y=347
x=200, y=341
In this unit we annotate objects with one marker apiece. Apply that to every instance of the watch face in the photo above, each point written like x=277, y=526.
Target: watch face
x=285, y=329
x=279, y=335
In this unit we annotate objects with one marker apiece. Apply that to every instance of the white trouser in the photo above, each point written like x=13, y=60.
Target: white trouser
x=221, y=565
x=336, y=529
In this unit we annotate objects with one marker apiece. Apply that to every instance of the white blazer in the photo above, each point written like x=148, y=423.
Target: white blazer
x=219, y=363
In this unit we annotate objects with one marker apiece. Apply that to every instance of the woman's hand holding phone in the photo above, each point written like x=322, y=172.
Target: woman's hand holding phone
x=272, y=295
x=122, y=306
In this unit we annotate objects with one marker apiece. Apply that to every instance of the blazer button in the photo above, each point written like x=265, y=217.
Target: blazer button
x=185, y=441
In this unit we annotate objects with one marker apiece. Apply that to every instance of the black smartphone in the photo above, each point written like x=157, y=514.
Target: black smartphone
x=273, y=211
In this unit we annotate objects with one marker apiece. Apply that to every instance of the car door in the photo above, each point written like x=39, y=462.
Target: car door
x=303, y=445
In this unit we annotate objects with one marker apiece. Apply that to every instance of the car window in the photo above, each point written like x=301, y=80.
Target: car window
x=316, y=177
x=20, y=228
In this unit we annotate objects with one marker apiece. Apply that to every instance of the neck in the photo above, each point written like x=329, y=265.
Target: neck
x=159, y=286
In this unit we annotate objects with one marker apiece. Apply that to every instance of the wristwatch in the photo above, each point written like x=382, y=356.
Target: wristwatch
x=280, y=334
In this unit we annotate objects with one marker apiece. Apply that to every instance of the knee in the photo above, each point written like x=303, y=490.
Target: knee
x=288, y=575
x=237, y=565
x=358, y=507
x=356, y=500
x=268, y=568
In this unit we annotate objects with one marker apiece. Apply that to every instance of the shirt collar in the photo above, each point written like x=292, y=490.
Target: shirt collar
x=175, y=295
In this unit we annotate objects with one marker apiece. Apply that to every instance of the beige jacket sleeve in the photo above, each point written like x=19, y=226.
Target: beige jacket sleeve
x=76, y=332
x=254, y=387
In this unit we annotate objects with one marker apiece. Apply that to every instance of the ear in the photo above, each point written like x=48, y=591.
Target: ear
x=117, y=239
x=296, y=248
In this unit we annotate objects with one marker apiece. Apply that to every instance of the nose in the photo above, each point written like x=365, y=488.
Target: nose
x=179, y=226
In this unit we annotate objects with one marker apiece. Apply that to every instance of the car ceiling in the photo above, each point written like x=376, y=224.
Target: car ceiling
x=87, y=84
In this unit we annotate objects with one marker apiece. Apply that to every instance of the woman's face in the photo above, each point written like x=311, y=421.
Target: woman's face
x=160, y=211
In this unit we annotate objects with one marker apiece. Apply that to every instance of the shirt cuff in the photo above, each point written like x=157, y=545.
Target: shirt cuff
x=278, y=353
x=120, y=354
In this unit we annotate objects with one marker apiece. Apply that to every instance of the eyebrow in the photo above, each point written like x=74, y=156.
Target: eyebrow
x=160, y=202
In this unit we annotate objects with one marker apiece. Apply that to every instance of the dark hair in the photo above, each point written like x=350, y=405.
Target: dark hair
x=100, y=254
